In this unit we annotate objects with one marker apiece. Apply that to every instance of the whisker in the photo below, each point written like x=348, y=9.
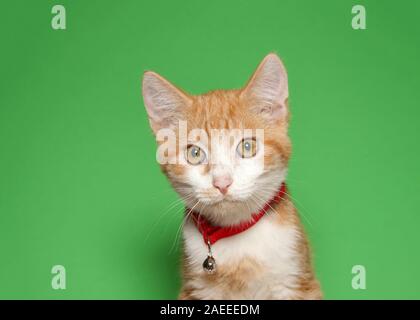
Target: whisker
x=302, y=211
x=171, y=206
x=182, y=225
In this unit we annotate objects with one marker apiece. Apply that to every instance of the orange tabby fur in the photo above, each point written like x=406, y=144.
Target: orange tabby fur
x=235, y=277
x=229, y=109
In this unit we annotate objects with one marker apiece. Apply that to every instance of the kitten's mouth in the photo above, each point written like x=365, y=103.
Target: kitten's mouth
x=213, y=198
x=228, y=198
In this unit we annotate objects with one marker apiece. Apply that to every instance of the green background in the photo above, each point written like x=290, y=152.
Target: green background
x=79, y=184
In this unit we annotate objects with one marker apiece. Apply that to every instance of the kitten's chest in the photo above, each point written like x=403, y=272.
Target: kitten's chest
x=257, y=263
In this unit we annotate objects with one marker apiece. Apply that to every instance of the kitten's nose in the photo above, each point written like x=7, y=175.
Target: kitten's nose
x=222, y=183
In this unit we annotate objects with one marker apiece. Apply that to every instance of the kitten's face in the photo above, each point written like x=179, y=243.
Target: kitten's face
x=232, y=156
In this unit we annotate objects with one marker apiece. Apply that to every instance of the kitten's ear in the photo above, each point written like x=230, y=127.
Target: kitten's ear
x=268, y=89
x=164, y=102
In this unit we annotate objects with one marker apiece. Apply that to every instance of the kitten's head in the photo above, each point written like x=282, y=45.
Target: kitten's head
x=226, y=151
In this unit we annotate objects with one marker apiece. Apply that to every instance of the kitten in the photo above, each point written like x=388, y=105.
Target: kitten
x=242, y=238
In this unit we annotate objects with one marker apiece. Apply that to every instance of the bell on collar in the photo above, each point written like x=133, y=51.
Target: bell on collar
x=209, y=265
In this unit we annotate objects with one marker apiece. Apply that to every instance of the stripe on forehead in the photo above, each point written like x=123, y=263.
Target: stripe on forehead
x=220, y=110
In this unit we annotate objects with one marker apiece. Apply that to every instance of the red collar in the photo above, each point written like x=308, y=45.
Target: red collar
x=211, y=233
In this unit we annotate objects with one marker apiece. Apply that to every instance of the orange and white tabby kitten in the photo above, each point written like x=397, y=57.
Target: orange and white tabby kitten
x=228, y=183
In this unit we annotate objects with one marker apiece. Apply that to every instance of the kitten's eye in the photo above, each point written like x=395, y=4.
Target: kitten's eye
x=247, y=148
x=194, y=155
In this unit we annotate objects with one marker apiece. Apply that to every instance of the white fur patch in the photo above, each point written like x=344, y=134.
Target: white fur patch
x=270, y=244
